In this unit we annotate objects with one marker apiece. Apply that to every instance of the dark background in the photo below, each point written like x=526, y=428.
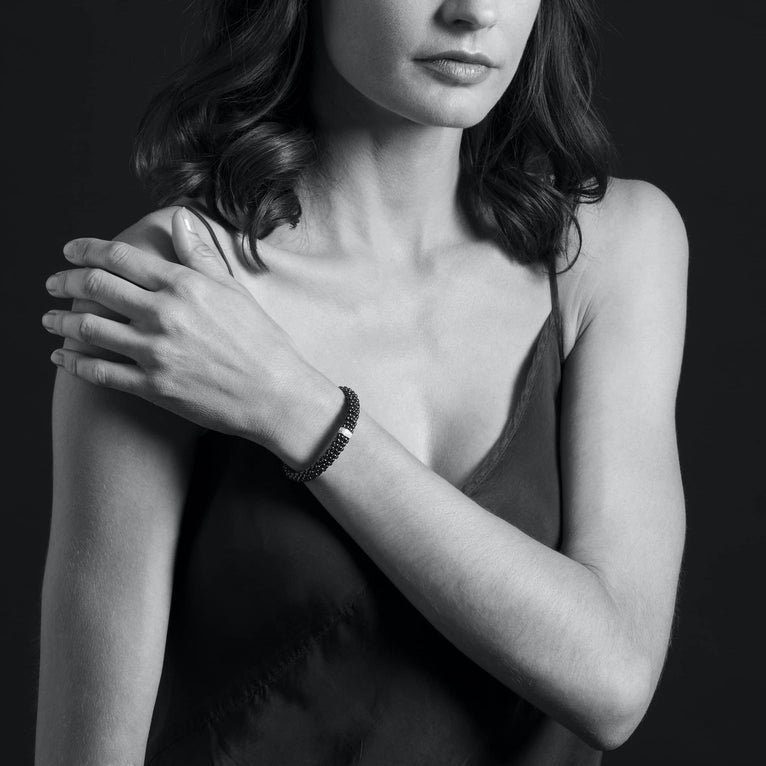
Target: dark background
x=682, y=88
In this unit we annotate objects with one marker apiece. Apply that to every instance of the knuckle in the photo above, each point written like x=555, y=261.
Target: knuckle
x=118, y=253
x=100, y=374
x=201, y=250
x=71, y=364
x=58, y=324
x=169, y=319
x=161, y=384
x=157, y=353
x=87, y=327
x=162, y=353
x=84, y=248
x=92, y=282
x=186, y=285
x=64, y=282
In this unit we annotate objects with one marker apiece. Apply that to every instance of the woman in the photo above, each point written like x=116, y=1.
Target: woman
x=461, y=585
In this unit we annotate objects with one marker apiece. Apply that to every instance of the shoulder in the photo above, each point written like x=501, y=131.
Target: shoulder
x=152, y=233
x=115, y=433
x=634, y=253
x=632, y=215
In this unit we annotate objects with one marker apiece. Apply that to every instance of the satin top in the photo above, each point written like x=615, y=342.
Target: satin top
x=288, y=646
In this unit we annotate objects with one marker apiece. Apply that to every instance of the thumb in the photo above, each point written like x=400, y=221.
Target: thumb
x=192, y=251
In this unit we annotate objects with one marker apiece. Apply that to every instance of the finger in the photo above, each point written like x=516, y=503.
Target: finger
x=193, y=251
x=103, y=287
x=95, y=330
x=101, y=372
x=126, y=261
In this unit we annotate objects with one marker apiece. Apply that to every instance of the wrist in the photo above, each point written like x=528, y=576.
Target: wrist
x=314, y=409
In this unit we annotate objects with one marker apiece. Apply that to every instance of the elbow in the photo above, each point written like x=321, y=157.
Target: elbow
x=622, y=705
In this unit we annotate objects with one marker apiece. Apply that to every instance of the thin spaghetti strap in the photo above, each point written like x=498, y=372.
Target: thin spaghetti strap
x=554, y=285
x=212, y=234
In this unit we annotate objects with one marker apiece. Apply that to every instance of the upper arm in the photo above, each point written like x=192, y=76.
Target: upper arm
x=113, y=450
x=120, y=472
x=623, y=498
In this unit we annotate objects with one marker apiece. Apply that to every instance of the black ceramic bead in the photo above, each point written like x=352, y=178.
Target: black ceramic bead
x=328, y=457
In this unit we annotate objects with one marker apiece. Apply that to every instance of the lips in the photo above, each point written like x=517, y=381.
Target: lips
x=469, y=57
x=459, y=67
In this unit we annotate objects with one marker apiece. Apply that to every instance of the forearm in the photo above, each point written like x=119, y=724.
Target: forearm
x=540, y=622
x=101, y=649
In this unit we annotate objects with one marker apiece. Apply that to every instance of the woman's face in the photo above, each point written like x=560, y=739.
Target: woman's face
x=434, y=62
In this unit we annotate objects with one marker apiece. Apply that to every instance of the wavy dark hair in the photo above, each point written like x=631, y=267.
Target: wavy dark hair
x=233, y=128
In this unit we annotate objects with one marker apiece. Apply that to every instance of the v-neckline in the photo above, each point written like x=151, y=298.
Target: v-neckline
x=515, y=417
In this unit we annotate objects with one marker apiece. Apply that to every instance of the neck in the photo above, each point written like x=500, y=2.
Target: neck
x=384, y=188
x=390, y=194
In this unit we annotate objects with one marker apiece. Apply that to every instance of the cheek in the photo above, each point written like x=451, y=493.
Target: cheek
x=518, y=28
x=366, y=40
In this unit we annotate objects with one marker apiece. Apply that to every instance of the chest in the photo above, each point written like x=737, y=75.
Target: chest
x=439, y=360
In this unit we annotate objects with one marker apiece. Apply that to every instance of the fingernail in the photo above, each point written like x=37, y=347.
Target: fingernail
x=48, y=319
x=69, y=249
x=52, y=282
x=57, y=357
x=187, y=222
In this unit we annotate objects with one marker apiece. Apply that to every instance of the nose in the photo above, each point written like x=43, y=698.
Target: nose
x=470, y=14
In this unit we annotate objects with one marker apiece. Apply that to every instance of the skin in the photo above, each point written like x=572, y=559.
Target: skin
x=382, y=287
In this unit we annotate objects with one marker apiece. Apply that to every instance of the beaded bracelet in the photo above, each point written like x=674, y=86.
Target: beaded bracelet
x=327, y=458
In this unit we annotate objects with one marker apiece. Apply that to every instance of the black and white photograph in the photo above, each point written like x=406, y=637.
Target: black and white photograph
x=385, y=383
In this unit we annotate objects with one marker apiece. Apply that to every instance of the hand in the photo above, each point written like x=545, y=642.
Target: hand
x=196, y=342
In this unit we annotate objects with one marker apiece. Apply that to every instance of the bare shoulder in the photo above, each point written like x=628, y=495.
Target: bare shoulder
x=152, y=233
x=634, y=251
x=97, y=410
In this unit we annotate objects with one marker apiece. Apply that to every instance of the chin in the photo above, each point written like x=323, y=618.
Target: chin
x=453, y=108
x=450, y=115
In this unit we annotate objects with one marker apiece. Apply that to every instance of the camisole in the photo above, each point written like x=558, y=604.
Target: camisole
x=287, y=646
